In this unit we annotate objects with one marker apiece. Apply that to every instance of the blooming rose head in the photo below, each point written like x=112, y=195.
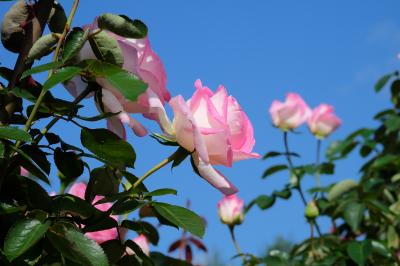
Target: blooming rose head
x=230, y=210
x=289, y=114
x=214, y=127
x=323, y=121
x=78, y=189
x=142, y=242
x=140, y=60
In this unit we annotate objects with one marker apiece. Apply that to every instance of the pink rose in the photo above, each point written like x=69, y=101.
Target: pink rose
x=290, y=114
x=142, y=242
x=141, y=60
x=215, y=128
x=230, y=210
x=323, y=121
x=78, y=189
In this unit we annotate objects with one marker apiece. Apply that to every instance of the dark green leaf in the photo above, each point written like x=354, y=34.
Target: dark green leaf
x=124, y=207
x=264, y=202
x=73, y=205
x=102, y=182
x=181, y=217
x=274, y=169
x=359, y=251
x=143, y=228
x=162, y=192
x=69, y=164
x=97, y=117
x=2, y=149
x=392, y=123
x=61, y=75
x=160, y=259
x=122, y=25
x=276, y=153
x=353, y=214
x=108, y=146
x=57, y=19
x=23, y=235
x=41, y=68
x=73, y=245
x=113, y=249
x=386, y=160
x=74, y=43
x=8, y=208
x=284, y=194
x=15, y=134
x=382, y=82
x=125, y=82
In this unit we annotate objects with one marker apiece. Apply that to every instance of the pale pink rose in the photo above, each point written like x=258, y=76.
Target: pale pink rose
x=290, y=114
x=78, y=189
x=142, y=242
x=141, y=60
x=23, y=172
x=323, y=121
x=230, y=210
x=215, y=128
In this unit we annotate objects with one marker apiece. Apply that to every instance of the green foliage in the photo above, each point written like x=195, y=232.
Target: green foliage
x=122, y=25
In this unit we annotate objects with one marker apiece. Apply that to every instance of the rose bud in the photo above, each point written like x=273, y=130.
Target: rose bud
x=230, y=210
x=312, y=211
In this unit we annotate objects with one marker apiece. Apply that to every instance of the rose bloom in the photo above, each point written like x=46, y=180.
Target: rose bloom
x=142, y=242
x=78, y=189
x=323, y=121
x=215, y=128
x=290, y=114
x=24, y=172
x=140, y=60
x=230, y=210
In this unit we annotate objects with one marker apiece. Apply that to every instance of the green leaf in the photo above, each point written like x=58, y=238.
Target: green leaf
x=41, y=68
x=264, y=202
x=353, y=214
x=122, y=26
x=125, y=206
x=6, y=208
x=125, y=82
x=106, y=48
x=23, y=235
x=61, y=75
x=284, y=194
x=73, y=205
x=340, y=188
x=73, y=245
x=113, y=249
x=380, y=249
x=181, y=217
x=69, y=164
x=386, y=160
x=102, y=182
x=382, y=82
x=359, y=251
x=108, y=146
x=57, y=19
x=162, y=192
x=276, y=153
x=160, y=259
x=41, y=47
x=15, y=134
x=2, y=149
x=274, y=169
x=38, y=167
x=143, y=228
x=74, y=43
x=392, y=123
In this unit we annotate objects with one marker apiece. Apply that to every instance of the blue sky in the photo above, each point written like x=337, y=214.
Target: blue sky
x=327, y=51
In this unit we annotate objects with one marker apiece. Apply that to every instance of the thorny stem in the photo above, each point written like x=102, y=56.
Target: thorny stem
x=55, y=58
x=317, y=164
x=155, y=169
x=291, y=168
x=77, y=100
x=235, y=242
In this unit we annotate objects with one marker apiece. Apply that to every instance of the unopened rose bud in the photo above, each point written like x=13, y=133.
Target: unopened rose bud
x=312, y=211
x=230, y=210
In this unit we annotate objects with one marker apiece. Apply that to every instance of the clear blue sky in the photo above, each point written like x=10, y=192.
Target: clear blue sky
x=328, y=51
